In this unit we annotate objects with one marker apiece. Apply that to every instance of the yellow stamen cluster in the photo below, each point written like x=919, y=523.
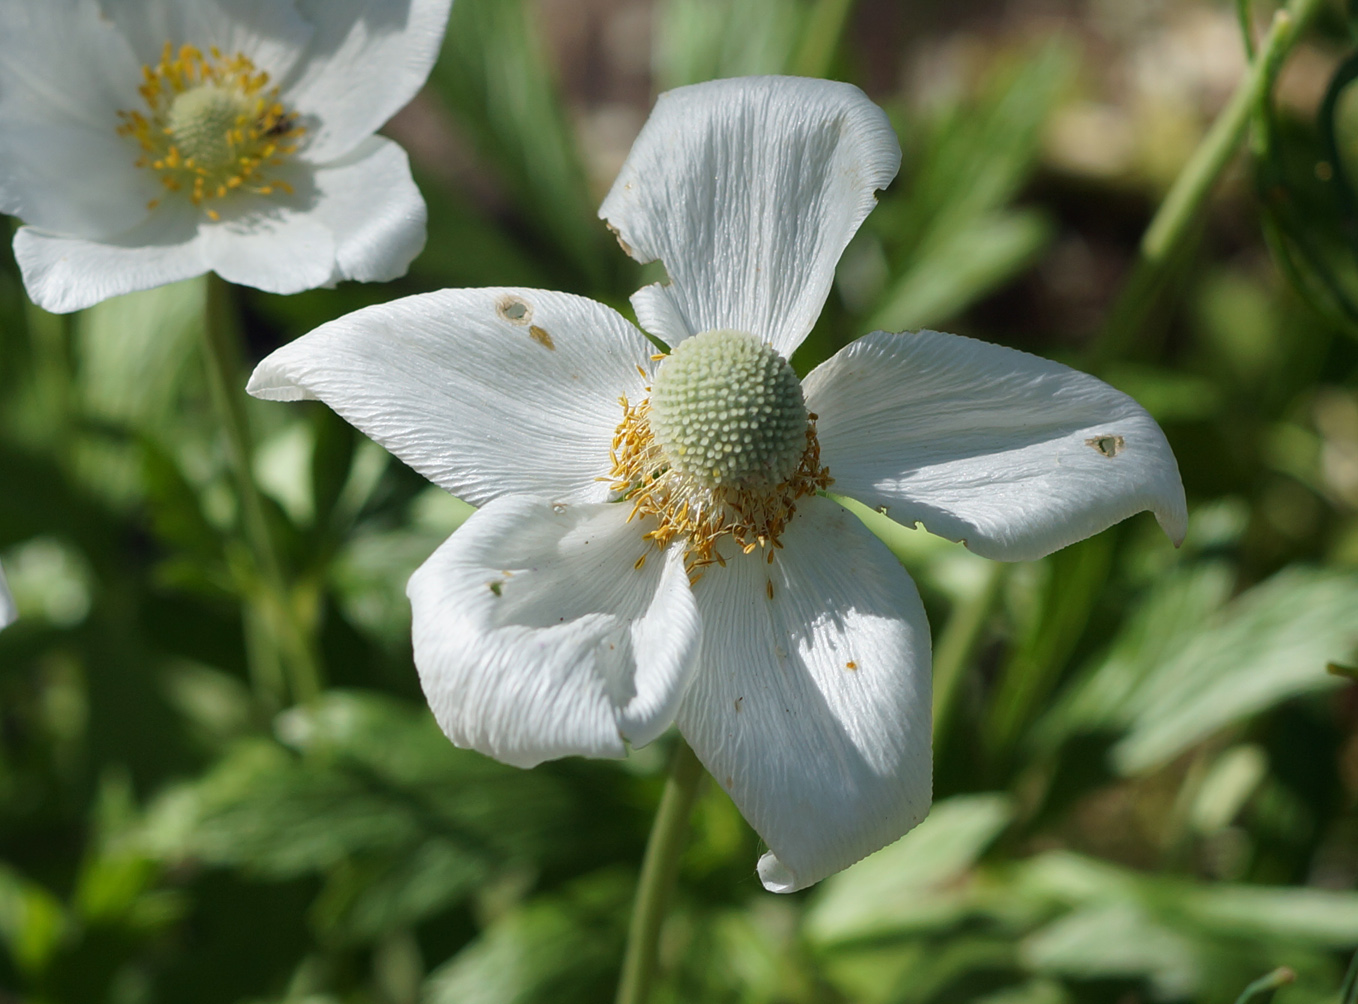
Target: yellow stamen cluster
x=212, y=126
x=752, y=515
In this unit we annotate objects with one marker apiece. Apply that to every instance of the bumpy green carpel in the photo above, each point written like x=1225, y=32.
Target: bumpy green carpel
x=727, y=411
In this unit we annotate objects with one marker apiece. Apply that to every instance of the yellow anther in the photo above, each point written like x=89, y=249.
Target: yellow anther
x=211, y=125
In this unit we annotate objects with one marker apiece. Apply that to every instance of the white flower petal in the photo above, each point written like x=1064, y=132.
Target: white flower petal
x=64, y=74
x=369, y=203
x=8, y=612
x=367, y=60
x=270, y=32
x=63, y=274
x=275, y=243
x=1013, y=454
x=812, y=709
x=486, y=392
x=536, y=636
x=748, y=190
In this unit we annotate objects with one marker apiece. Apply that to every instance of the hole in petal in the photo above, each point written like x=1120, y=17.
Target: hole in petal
x=514, y=310
x=1109, y=446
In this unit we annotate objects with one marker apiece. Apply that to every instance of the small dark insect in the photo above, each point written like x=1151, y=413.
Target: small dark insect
x=282, y=125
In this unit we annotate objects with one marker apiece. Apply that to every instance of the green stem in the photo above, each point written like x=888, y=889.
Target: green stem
x=1261, y=991
x=659, y=870
x=1174, y=219
x=958, y=643
x=270, y=595
x=820, y=38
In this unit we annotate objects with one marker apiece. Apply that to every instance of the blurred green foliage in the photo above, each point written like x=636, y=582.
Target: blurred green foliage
x=1147, y=780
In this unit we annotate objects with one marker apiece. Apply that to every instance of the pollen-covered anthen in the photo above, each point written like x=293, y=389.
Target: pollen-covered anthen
x=212, y=126
x=723, y=447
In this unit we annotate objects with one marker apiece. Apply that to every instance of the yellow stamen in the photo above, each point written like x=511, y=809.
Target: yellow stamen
x=751, y=516
x=212, y=126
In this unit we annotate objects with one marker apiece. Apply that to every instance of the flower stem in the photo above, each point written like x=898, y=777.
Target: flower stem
x=958, y=643
x=1174, y=218
x=292, y=646
x=659, y=870
x=821, y=33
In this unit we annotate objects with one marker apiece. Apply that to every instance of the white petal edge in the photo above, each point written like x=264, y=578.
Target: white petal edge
x=539, y=635
x=8, y=612
x=748, y=190
x=812, y=709
x=63, y=274
x=366, y=61
x=65, y=72
x=270, y=32
x=376, y=215
x=486, y=392
x=277, y=243
x=1013, y=454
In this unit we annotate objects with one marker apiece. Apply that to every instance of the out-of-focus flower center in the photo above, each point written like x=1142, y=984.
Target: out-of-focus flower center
x=723, y=447
x=212, y=126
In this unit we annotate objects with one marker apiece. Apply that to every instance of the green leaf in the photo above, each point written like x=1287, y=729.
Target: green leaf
x=32, y=921
x=697, y=40
x=1271, y=643
x=960, y=265
x=558, y=949
x=495, y=75
x=915, y=882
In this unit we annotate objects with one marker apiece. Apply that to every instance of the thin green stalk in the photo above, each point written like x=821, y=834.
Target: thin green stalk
x=820, y=38
x=659, y=871
x=1176, y=215
x=271, y=594
x=958, y=643
x=1261, y=991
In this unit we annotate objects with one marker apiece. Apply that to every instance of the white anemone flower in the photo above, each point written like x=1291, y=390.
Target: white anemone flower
x=146, y=141
x=653, y=545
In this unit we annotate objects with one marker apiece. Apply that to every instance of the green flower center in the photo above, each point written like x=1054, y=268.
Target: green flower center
x=212, y=125
x=202, y=122
x=727, y=411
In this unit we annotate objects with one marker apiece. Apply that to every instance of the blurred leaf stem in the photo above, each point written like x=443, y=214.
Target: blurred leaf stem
x=958, y=643
x=287, y=643
x=820, y=38
x=1261, y=991
x=1174, y=219
x=659, y=870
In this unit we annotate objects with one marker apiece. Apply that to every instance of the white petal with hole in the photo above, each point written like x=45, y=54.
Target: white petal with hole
x=54, y=125
x=812, y=708
x=748, y=190
x=486, y=392
x=63, y=274
x=538, y=633
x=1013, y=454
x=367, y=59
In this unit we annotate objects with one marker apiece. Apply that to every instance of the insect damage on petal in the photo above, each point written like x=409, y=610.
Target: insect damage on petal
x=514, y=310
x=1108, y=446
x=540, y=336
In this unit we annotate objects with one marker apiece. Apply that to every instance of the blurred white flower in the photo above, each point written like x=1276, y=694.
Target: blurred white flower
x=146, y=141
x=8, y=612
x=652, y=546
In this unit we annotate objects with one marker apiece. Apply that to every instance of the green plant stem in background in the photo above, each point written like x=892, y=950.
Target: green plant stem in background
x=957, y=645
x=820, y=38
x=659, y=870
x=273, y=607
x=1261, y=991
x=1175, y=217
